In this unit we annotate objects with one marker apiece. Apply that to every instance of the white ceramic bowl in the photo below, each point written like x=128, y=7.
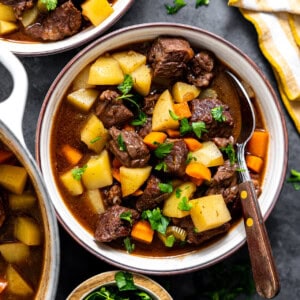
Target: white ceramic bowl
x=247, y=70
x=84, y=36
x=144, y=283
x=11, y=116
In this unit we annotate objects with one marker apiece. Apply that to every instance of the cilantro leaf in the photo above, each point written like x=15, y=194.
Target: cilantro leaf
x=163, y=150
x=173, y=115
x=198, y=128
x=157, y=220
x=127, y=216
x=124, y=281
x=201, y=2
x=294, y=179
x=126, y=86
x=184, y=204
x=177, y=5
x=230, y=152
x=129, y=246
x=161, y=166
x=77, y=172
x=121, y=143
x=185, y=127
x=165, y=187
x=140, y=120
x=217, y=113
x=50, y=4
x=178, y=192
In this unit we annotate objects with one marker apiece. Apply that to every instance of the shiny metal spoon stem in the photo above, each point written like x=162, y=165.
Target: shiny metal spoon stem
x=263, y=267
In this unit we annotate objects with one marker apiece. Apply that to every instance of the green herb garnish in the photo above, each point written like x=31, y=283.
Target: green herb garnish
x=126, y=86
x=165, y=187
x=127, y=216
x=197, y=127
x=230, y=152
x=173, y=115
x=184, y=204
x=162, y=166
x=217, y=113
x=124, y=281
x=50, y=4
x=201, y=2
x=170, y=241
x=177, y=5
x=121, y=143
x=129, y=246
x=190, y=157
x=96, y=139
x=77, y=172
x=178, y=193
x=157, y=220
x=294, y=179
x=163, y=150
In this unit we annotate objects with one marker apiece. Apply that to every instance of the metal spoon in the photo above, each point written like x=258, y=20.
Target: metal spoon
x=263, y=267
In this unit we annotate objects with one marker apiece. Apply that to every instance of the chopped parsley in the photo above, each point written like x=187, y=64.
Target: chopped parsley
x=96, y=139
x=173, y=115
x=121, y=143
x=124, y=281
x=170, y=241
x=230, y=152
x=201, y=2
x=184, y=204
x=129, y=246
x=217, y=113
x=126, y=86
x=178, y=193
x=78, y=172
x=165, y=187
x=157, y=220
x=50, y=4
x=127, y=216
x=162, y=166
x=163, y=150
x=190, y=157
x=294, y=179
x=177, y=5
x=197, y=127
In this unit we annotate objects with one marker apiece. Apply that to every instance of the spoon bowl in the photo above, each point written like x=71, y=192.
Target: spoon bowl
x=263, y=266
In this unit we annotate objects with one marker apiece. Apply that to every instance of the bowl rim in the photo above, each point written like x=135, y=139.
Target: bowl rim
x=164, y=26
x=77, y=40
x=107, y=278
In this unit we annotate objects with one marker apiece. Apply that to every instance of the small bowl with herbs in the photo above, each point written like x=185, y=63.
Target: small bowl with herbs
x=119, y=285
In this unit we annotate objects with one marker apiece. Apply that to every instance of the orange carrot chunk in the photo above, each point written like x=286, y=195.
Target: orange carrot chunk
x=258, y=144
x=192, y=144
x=5, y=155
x=142, y=231
x=154, y=138
x=173, y=133
x=182, y=110
x=254, y=163
x=116, y=174
x=198, y=170
x=72, y=155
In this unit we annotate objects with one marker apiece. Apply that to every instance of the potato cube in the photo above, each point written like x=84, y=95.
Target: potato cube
x=129, y=60
x=73, y=185
x=17, y=284
x=209, y=155
x=96, y=10
x=171, y=206
x=95, y=201
x=83, y=99
x=105, y=71
x=29, y=16
x=81, y=80
x=209, y=212
x=21, y=202
x=27, y=231
x=142, y=80
x=7, y=13
x=13, y=178
x=182, y=92
x=14, y=252
x=98, y=173
x=93, y=134
x=132, y=178
x=7, y=27
x=161, y=119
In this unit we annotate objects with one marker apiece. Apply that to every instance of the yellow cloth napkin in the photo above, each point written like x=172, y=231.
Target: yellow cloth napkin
x=277, y=23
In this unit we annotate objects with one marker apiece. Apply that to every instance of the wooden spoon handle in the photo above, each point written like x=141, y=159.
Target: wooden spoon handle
x=263, y=267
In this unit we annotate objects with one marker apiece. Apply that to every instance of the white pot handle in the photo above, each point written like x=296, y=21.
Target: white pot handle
x=12, y=109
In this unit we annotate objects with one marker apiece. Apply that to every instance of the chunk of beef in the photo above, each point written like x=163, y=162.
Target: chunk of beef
x=152, y=195
x=110, y=226
x=176, y=159
x=149, y=103
x=201, y=69
x=135, y=153
x=111, y=111
x=112, y=195
x=19, y=6
x=195, y=238
x=62, y=22
x=169, y=56
x=201, y=111
x=223, y=142
x=146, y=128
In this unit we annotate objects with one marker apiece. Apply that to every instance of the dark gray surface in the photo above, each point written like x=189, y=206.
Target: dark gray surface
x=283, y=224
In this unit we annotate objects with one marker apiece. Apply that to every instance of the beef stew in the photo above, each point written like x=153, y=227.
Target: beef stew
x=143, y=148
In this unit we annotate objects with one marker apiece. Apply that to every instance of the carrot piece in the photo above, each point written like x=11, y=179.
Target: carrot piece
x=5, y=155
x=254, y=163
x=72, y=155
x=116, y=174
x=138, y=192
x=198, y=170
x=182, y=110
x=258, y=144
x=129, y=127
x=154, y=138
x=192, y=144
x=173, y=133
x=197, y=181
x=142, y=231
x=116, y=163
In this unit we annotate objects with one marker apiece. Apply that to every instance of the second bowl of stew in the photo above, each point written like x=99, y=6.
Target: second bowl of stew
x=136, y=142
